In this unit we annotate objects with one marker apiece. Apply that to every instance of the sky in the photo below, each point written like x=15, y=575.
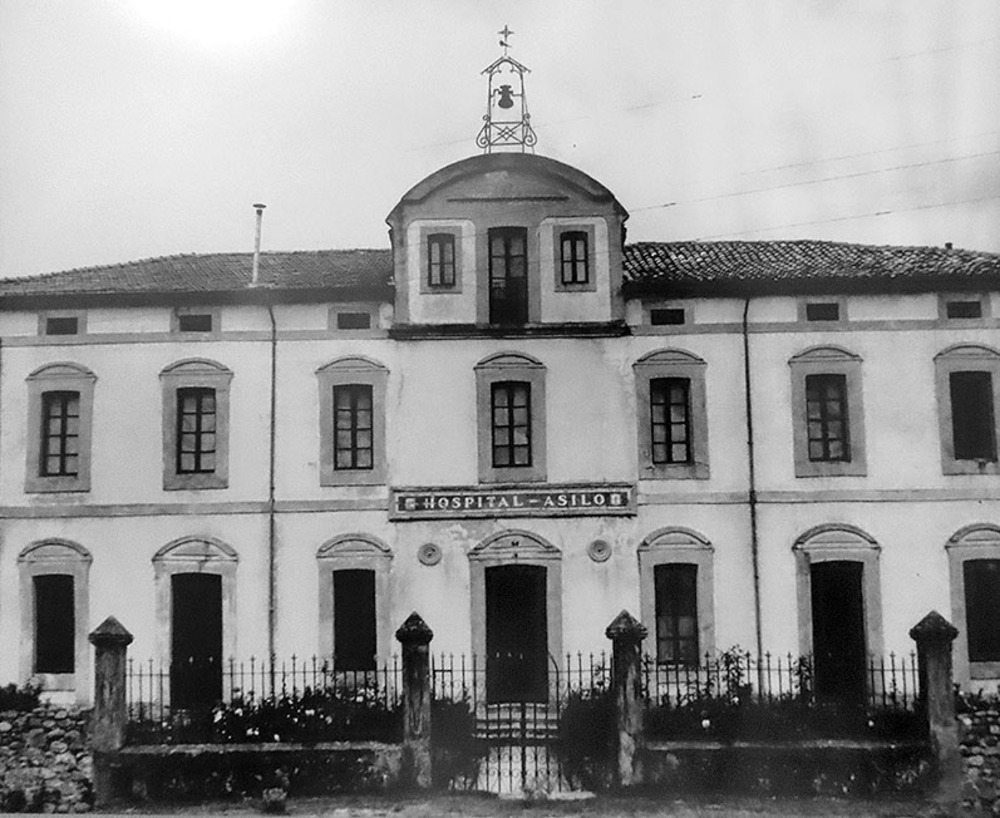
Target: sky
x=138, y=128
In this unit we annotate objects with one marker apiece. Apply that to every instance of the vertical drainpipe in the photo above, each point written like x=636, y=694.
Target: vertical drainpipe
x=752, y=494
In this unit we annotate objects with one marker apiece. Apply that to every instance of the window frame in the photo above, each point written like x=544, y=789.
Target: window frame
x=354, y=370
x=666, y=364
x=978, y=541
x=62, y=376
x=442, y=240
x=588, y=233
x=354, y=393
x=828, y=360
x=512, y=389
x=426, y=231
x=199, y=394
x=178, y=312
x=79, y=315
x=821, y=323
x=574, y=263
x=826, y=420
x=984, y=308
x=965, y=358
x=510, y=367
x=195, y=373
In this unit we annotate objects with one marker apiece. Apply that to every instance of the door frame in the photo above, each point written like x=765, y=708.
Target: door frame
x=839, y=543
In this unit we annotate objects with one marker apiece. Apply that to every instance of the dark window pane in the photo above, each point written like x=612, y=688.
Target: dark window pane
x=824, y=311
x=667, y=316
x=972, y=418
x=354, y=320
x=982, y=609
x=354, y=630
x=62, y=325
x=195, y=322
x=508, y=282
x=676, y=591
x=511, y=423
x=352, y=427
x=826, y=418
x=55, y=624
x=964, y=309
x=670, y=419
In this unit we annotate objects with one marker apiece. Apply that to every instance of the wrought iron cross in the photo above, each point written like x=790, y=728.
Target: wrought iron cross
x=504, y=36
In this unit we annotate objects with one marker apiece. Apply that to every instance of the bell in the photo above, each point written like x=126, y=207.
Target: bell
x=506, y=97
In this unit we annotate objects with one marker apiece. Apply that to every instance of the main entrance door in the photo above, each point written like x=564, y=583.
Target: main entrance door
x=838, y=625
x=196, y=640
x=516, y=634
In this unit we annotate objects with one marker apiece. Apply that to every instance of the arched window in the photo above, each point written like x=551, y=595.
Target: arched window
x=968, y=393
x=974, y=569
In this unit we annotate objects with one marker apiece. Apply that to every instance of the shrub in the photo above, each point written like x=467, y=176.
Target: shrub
x=20, y=699
x=587, y=737
x=457, y=750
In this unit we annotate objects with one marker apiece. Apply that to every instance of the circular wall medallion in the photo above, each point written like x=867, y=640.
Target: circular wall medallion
x=429, y=554
x=599, y=551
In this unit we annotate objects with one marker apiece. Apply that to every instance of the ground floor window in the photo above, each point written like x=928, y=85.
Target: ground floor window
x=354, y=624
x=55, y=624
x=982, y=609
x=676, y=589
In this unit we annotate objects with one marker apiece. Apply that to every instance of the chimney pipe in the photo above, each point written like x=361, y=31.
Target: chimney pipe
x=255, y=275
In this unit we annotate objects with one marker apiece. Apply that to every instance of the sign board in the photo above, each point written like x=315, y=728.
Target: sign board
x=548, y=500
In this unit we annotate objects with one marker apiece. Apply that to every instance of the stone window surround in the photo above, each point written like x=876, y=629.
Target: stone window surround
x=516, y=547
x=195, y=372
x=355, y=369
x=828, y=360
x=359, y=552
x=982, y=298
x=672, y=363
x=215, y=312
x=980, y=541
x=671, y=546
x=510, y=366
x=836, y=542
x=79, y=315
x=194, y=555
x=57, y=377
x=56, y=556
x=964, y=358
x=839, y=300
x=559, y=227
x=431, y=228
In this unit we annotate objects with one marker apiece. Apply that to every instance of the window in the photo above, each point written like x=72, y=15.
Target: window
x=195, y=319
x=441, y=260
x=823, y=311
x=354, y=622
x=62, y=323
x=982, y=609
x=196, y=430
x=354, y=320
x=676, y=594
x=968, y=392
x=60, y=449
x=54, y=607
x=826, y=418
x=60, y=414
x=668, y=316
x=828, y=434
x=510, y=394
x=352, y=400
x=676, y=613
x=964, y=309
x=508, y=259
x=195, y=425
x=352, y=420
x=574, y=257
x=672, y=421
x=974, y=572
x=959, y=307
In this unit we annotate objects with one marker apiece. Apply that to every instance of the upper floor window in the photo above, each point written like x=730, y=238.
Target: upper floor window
x=666, y=316
x=508, y=260
x=352, y=422
x=195, y=319
x=968, y=391
x=511, y=424
x=828, y=433
x=60, y=413
x=62, y=325
x=673, y=421
x=574, y=257
x=823, y=311
x=195, y=425
x=354, y=320
x=441, y=260
x=963, y=306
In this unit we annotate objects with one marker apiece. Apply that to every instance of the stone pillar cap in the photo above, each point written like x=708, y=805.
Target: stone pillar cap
x=933, y=627
x=110, y=632
x=625, y=626
x=414, y=631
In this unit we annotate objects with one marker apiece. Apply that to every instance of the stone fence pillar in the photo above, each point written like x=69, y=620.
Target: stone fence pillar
x=934, y=635
x=415, y=638
x=626, y=635
x=110, y=717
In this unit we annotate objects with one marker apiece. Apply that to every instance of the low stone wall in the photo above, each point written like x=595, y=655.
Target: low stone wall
x=45, y=762
x=979, y=736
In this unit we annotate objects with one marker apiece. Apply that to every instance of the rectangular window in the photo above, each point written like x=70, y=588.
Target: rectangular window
x=441, y=260
x=670, y=419
x=62, y=325
x=676, y=589
x=354, y=320
x=982, y=609
x=196, y=430
x=508, y=275
x=354, y=643
x=352, y=426
x=55, y=623
x=964, y=309
x=575, y=257
x=666, y=317
x=194, y=322
x=60, y=441
x=972, y=419
x=826, y=418
x=823, y=311
x=511, y=424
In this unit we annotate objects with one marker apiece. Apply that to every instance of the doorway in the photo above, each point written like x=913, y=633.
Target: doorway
x=838, y=630
x=508, y=275
x=516, y=634
x=196, y=640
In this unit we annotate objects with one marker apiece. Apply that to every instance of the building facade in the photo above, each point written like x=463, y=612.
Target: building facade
x=512, y=422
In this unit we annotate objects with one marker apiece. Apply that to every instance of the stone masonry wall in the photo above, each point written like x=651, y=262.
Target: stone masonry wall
x=45, y=761
x=979, y=734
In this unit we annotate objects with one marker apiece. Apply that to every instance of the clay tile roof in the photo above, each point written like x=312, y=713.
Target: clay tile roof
x=787, y=266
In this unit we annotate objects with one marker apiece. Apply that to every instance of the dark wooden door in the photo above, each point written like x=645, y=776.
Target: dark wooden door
x=508, y=275
x=196, y=640
x=354, y=619
x=838, y=624
x=516, y=634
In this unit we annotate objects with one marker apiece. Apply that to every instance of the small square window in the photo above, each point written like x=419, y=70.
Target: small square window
x=354, y=320
x=667, y=316
x=62, y=325
x=964, y=309
x=823, y=311
x=194, y=322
